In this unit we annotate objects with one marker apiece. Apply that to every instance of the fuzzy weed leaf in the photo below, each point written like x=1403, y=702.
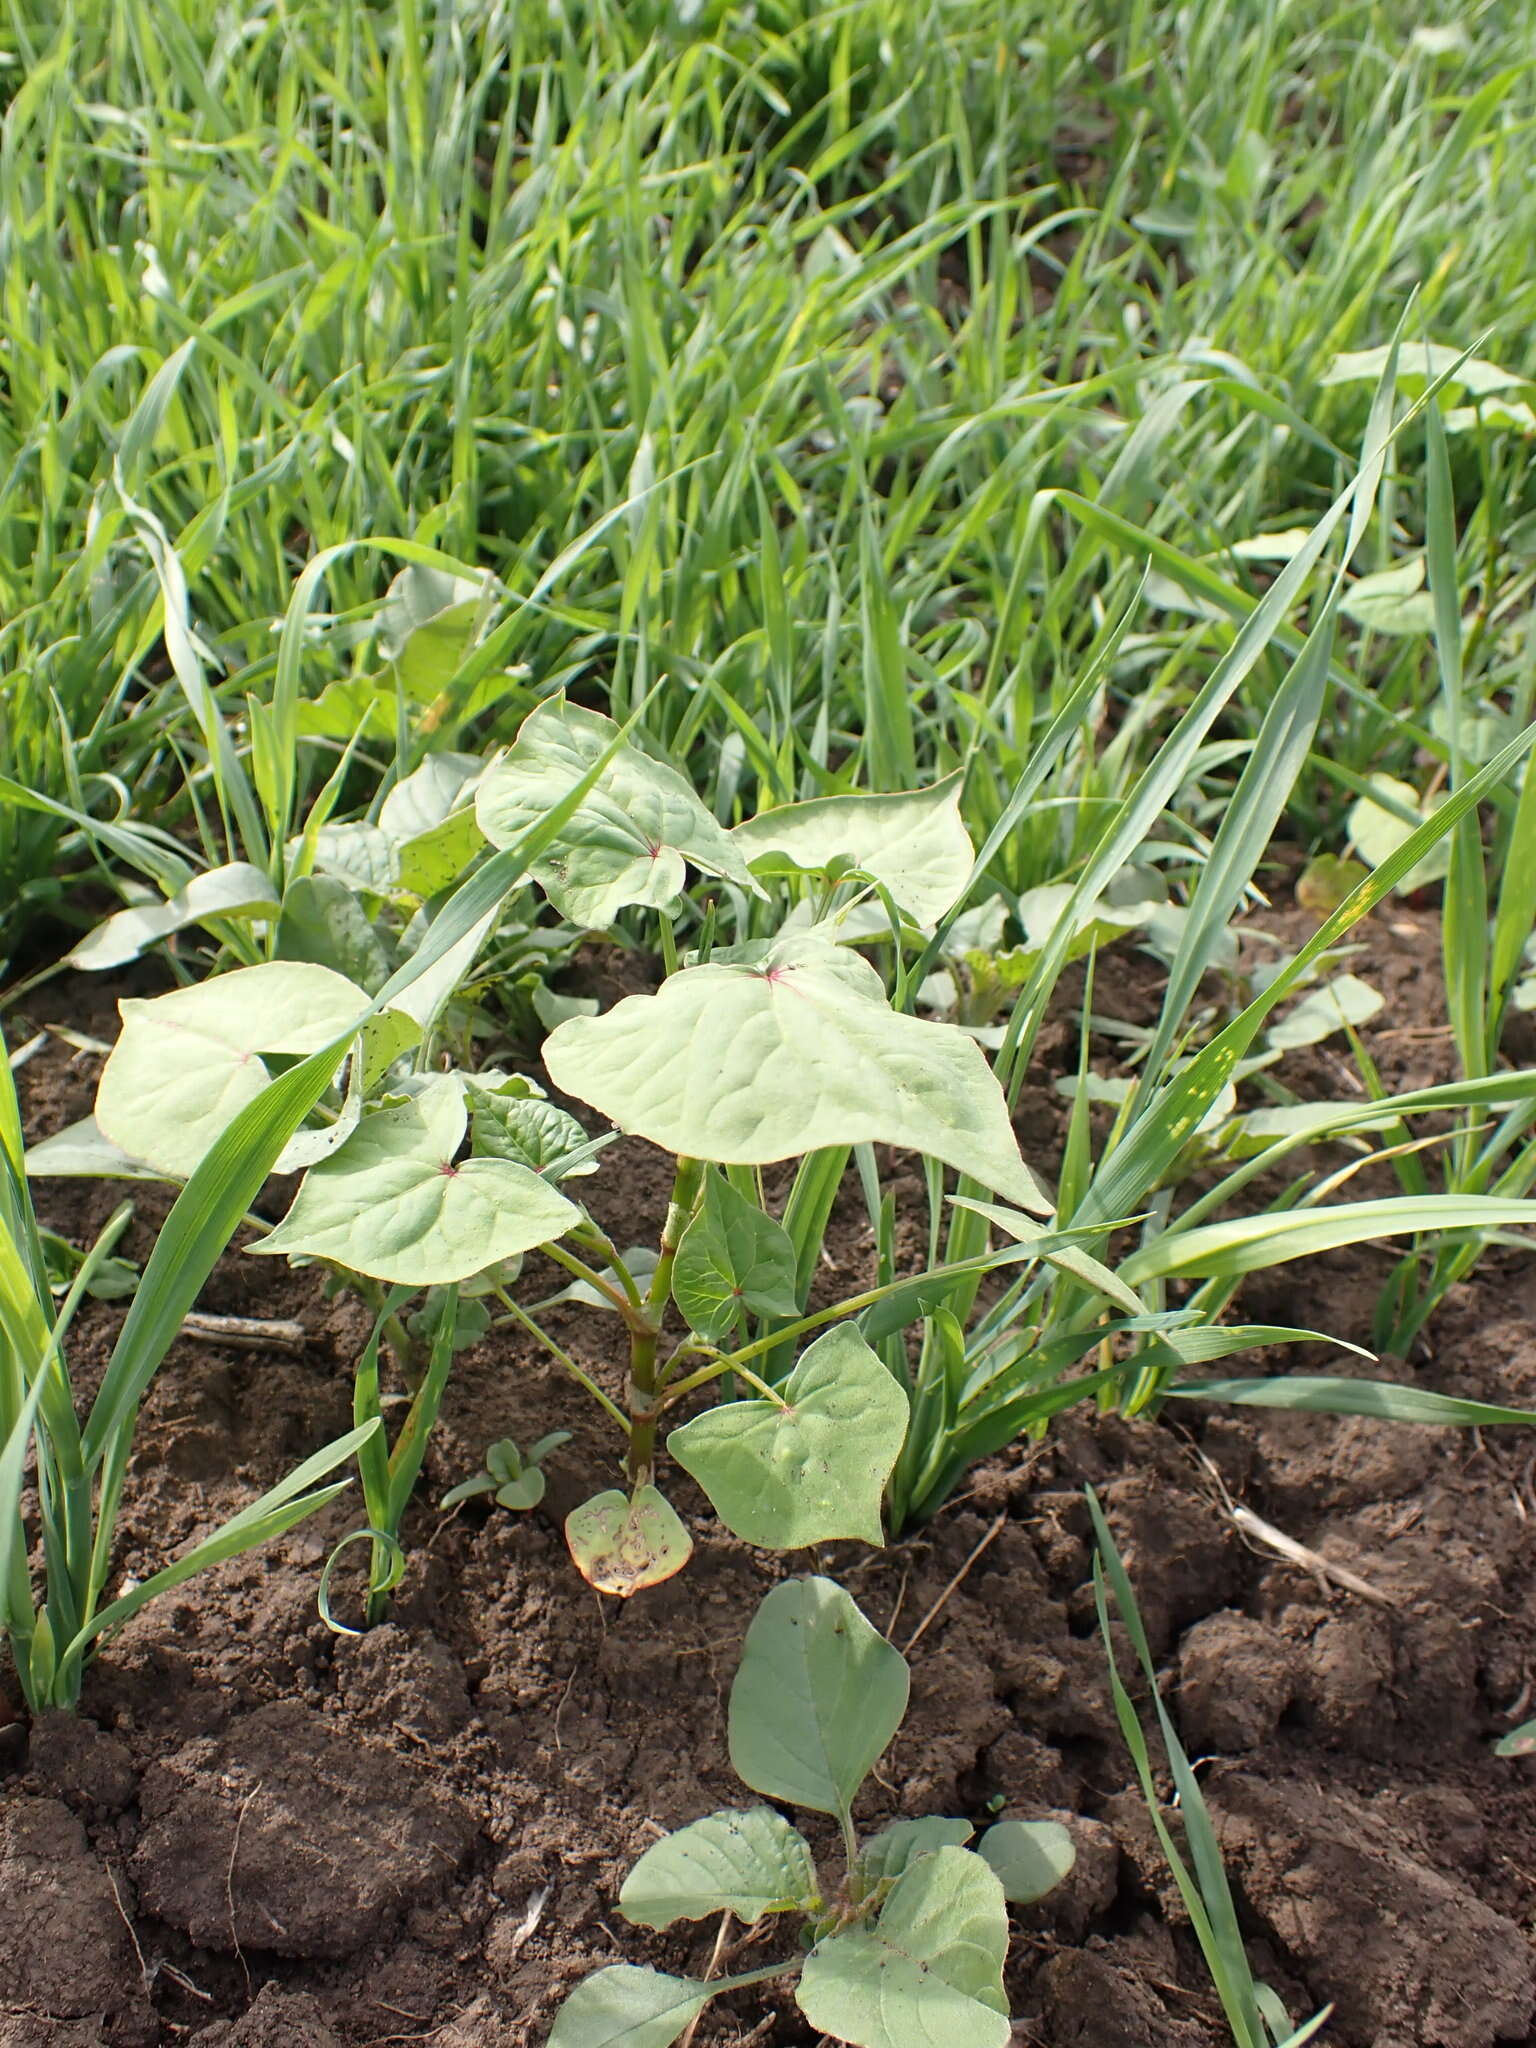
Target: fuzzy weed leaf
x=621, y=1544
x=750, y=1864
x=929, y=1971
x=885, y=1856
x=811, y=1466
x=393, y=1204
x=912, y=841
x=626, y=2007
x=631, y=838
x=817, y=1698
x=784, y=1048
x=1030, y=1857
x=733, y=1259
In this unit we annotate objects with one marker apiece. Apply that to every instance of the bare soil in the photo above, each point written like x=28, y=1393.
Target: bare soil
x=259, y=1834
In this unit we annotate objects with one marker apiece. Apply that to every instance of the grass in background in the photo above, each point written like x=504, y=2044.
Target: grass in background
x=843, y=366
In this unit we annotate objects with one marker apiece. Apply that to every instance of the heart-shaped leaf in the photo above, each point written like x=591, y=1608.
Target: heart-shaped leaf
x=885, y=1856
x=622, y=1544
x=429, y=794
x=187, y=1063
x=427, y=625
x=818, y=1695
x=929, y=1970
x=813, y=1468
x=1339, y=1003
x=782, y=1049
x=393, y=1204
x=430, y=816
x=748, y=1863
x=633, y=833
x=732, y=1258
x=1030, y=1857
x=323, y=921
x=625, y=2007
x=912, y=841
x=526, y=1130
x=358, y=854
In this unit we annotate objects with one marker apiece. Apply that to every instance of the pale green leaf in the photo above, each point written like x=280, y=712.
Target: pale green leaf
x=626, y=2007
x=1392, y=600
x=885, y=1856
x=1030, y=1857
x=632, y=836
x=358, y=854
x=812, y=1469
x=238, y=890
x=818, y=1695
x=82, y=1149
x=750, y=1864
x=429, y=993
x=429, y=794
x=732, y=1258
x=1342, y=1002
x=393, y=1204
x=1417, y=363
x=427, y=625
x=323, y=921
x=928, y=1974
x=1376, y=833
x=430, y=816
x=186, y=1063
x=914, y=842
x=784, y=1049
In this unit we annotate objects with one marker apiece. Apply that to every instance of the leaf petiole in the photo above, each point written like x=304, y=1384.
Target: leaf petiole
x=577, y=1373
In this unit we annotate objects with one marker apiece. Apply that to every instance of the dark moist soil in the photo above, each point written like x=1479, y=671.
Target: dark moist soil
x=258, y=1834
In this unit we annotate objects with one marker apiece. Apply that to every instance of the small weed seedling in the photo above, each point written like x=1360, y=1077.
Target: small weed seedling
x=1254, y=2013
x=512, y=1477
x=908, y=1949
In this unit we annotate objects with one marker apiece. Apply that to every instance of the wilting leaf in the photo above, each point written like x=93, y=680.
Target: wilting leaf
x=238, y=890
x=621, y=1545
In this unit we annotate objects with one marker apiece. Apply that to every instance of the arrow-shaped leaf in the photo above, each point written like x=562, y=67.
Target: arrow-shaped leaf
x=393, y=1204
x=631, y=837
x=782, y=1049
